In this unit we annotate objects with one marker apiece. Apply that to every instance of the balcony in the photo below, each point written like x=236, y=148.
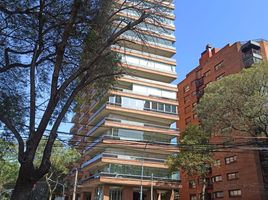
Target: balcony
x=108, y=123
x=149, y=47
x=149, y=73
x=107, y=141
x=83, y=119
x=131, y=16
x=251, y=52
x=146, y=82
x=75, y=118
x=104, y=158
x=137, y=112
x=146, y=93
x=75, y=128
x=117, y=171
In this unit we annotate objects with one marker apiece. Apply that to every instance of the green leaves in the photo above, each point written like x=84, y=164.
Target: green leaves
x=61, y=157
x=195, y=155
x=8, y=166
x=238, y=102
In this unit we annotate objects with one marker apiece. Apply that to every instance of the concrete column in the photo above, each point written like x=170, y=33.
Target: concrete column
x=106, y=190
x=92, y=194
x=159, y=196
x=82, y=196
x=127, y=193
x=170, y=195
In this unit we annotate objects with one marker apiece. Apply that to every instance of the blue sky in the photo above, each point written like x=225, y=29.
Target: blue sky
x=217, y=22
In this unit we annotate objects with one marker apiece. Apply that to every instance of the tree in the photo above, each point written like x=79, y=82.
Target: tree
x=61, y=158
x=8, y=168
x=50, y=51
x=194, y=158
x=238, y=102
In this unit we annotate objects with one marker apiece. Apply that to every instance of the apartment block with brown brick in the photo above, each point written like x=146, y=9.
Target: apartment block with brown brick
x=236, y=174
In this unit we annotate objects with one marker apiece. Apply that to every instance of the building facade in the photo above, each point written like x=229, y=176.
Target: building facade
x=236, y=174
x=126, y=136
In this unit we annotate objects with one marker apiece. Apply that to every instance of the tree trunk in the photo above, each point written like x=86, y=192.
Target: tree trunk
x=24, y=184
x=23, y=189
x=50, y=196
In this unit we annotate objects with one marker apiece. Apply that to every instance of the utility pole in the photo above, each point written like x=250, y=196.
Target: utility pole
x=152, y=188
x=75, y=183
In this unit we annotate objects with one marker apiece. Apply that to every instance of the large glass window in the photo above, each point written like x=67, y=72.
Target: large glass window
x=118, y=170
x=151, y=39
x=131, y=60
x=127, y=134
x=140, y=89
x=139, y=104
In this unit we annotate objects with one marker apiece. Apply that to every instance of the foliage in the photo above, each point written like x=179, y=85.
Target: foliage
x=237, y=102
x=8, y=168
x=62, y=157
x=51, y=51
x=195, y=152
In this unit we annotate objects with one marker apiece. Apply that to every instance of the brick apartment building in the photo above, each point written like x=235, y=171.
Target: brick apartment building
x=236, y=174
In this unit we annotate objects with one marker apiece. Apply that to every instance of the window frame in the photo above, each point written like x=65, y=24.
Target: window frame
x=235, y=195
x=236, y=176
x=231, y=159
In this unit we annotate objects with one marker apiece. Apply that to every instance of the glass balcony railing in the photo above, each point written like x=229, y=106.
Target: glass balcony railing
x=135, y=172
x=150, y=40
x=149, y=91
x=123, y=157
x=123, y=121
x=131, y=137
x=139, y=104
x=159, y=19
x=148, y=64
x=128, y=51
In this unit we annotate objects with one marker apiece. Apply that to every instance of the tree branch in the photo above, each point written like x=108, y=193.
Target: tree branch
x=17, y=135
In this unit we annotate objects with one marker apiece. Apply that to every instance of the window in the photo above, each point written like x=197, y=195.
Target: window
x=147, y=105
x=168, y=108
x=219, y=77
x=217, y=178
x=194, y=105
x=187, y=109
x=195, y=116
x=186, y=88
x=186, y=98
x=194, y=93
x=160, y=106
x=188, y=120
x=192, y=184
x=231, y=159
x=193, y=197
x=118, y=100
x=235, y=193
x=217, y=163
x=199, y=73
x=207, y=73
x=154, y=106
x=232, y=176
x=218, y=194
x=219, y=66
x=174, y=109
